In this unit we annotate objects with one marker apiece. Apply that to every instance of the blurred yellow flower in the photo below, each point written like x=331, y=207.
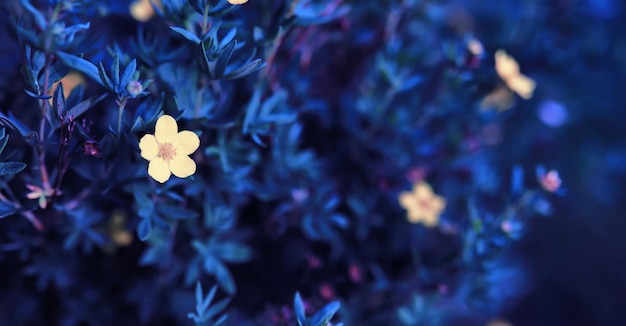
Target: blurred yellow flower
x=142, y=10
x=422, y=205
x=70, y=81
x=168, y=150
x=237, y=2
x=500, y=99
x=508, y=69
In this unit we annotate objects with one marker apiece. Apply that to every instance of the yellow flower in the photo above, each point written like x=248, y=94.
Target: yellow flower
x=142, y=10
x=422, y=205
x=168, y=150
x=237, y=2
x=508, y=69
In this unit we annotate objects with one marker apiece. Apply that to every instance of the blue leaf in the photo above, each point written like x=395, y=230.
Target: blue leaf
x=11, y=167
x=245, y=70
x=6, y=209
x=186, y=34
x=326, y=314
x=144, y=229
x=83, y=106
x=81, y=65
x=298, y=308
x=128, y=73
x=224, y=278
x=176, y=212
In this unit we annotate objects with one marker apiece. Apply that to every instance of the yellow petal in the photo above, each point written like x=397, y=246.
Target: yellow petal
x=506, y=66
x=186, y=142
x=422, y=190
x=522, y=85
x=237, y=2
x=166, y=129
x=414, y=217
x=158, y=170
x=430, y=220
x=182, y=166
x=438, y=204
x=407, y=201
x=149, y=147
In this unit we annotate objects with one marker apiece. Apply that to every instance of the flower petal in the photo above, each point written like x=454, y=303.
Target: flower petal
x=186, y=142
x=158, y=170
x=407, y=201
x=182, y=166
x=237, y=2
x=430, y=220
x=166, y=129
x=422, y=190
x=438, y=203
x=149, y=147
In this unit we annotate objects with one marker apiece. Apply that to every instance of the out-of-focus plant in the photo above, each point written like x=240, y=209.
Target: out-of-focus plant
x=296, y=129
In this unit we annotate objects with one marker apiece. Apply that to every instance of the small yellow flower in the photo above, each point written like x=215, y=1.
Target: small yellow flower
x=422, y=205
x=237, y=2
x=508, y=69
x=142, y=10
x=168, y=150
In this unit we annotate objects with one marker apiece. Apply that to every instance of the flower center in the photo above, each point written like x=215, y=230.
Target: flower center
x=167, y=151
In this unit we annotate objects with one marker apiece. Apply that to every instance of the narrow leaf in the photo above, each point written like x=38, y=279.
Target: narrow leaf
x=6, y=209
x=11, y=167
x=83, y=106
x=128, y=73
x=144, y=229
x=298, y=307
x=186, y=34
x=222, y=60
x=81, y=65
x=245, y=70
x=115, y=71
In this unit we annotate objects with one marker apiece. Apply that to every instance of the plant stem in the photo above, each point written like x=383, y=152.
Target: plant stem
x=45, y=106
x=121, y=104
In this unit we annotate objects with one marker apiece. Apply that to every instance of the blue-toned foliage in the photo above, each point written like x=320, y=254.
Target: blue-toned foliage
x=314, y=119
